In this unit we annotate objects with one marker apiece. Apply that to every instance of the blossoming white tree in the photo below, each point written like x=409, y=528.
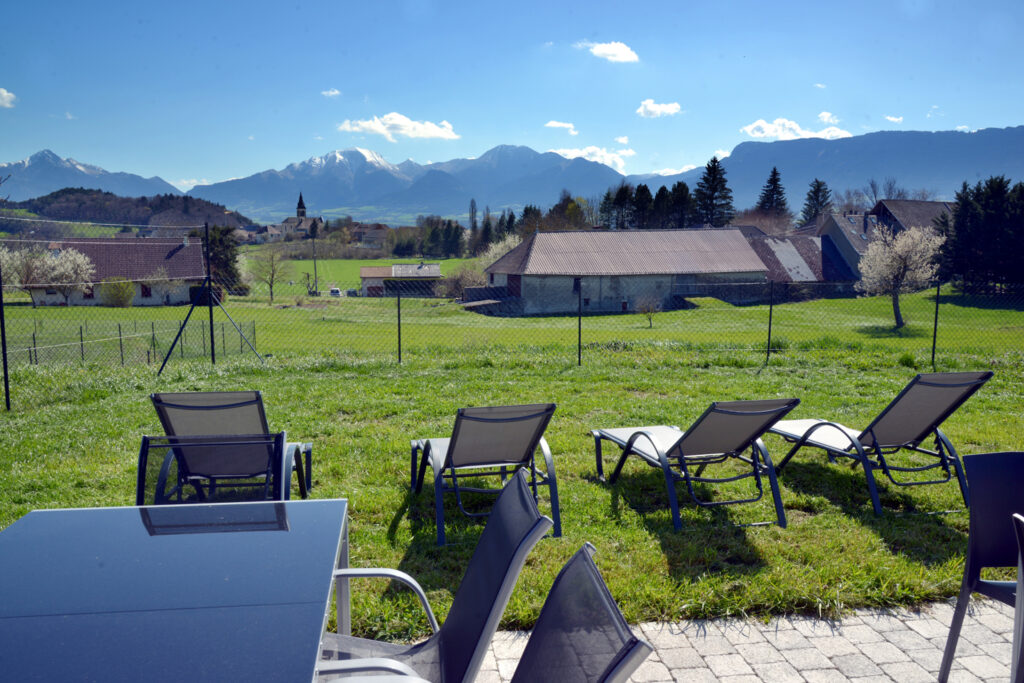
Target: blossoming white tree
x=899, y=262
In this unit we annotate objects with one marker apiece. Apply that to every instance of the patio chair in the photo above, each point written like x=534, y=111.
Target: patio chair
x=487, y=441
x=210, y=469
x=995, y=481
x=1016, y=668
x=199, y=413
x=456, y=649
x=726, y=430
x=906, y=422
x=580, y=636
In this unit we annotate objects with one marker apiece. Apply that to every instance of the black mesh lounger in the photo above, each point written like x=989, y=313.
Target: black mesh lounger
x=201, y=413
x=726, y=430
x=487, y=441
x=906, y=422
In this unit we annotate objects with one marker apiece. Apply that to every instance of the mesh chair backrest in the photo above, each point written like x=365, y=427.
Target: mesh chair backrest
x=513, y=528
x=921, y=407
x=731, y=426
x=234, y=457
x=211, y=412
x=995, y=481
x=497, y=435
x=580, y=636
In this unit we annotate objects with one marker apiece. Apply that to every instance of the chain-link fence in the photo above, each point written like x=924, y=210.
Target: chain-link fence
x=572, y=320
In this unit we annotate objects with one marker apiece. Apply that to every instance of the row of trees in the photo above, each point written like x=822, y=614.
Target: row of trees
x=985, y=237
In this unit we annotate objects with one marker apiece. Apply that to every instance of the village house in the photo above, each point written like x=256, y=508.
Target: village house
x=621, y=271
x=409, y=279
x=299, y=226
x=161, y=271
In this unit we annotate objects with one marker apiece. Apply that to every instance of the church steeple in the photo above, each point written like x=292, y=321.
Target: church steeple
x=300, y=210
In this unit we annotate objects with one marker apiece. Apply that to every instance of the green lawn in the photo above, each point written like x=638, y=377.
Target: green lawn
x=344, y=273
x=332, y=378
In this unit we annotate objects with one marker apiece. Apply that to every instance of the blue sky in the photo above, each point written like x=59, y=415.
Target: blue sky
x=203, y=92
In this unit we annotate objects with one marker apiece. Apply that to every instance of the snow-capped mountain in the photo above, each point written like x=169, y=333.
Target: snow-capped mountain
x=45, y=172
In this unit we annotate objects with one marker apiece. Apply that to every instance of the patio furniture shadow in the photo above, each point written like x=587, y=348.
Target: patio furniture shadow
x=924, y=537
x=990, y=302
x=713, y=540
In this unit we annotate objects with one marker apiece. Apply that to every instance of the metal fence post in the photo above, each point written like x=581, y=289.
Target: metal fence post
x=81, y=342
x=935, y=326
x=152, y=332
x=120, y=343
x=398, y=302
x=35, y=349
x=3, y=340
x=771, y=310
x=579, y=326
x=209, y=297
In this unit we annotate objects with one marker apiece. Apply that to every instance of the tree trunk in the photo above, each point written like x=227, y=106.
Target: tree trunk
x=896, y=310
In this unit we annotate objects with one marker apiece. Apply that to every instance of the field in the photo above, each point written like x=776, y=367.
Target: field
x=332, y=378
x=344, y=273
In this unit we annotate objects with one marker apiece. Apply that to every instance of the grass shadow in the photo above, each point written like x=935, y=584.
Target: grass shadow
x=924, y=537
x=890, y=332
x=711, y=539
x=988, y=302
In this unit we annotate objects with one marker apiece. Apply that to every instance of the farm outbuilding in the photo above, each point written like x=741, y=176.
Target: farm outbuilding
x=621, y=271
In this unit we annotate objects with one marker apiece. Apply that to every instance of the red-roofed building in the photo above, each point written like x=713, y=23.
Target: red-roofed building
x=161, y=270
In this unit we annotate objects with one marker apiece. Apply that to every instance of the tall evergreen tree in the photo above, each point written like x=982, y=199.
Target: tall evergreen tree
x=606, y=211
x=772, y=201
x=713, y=198
x=680, y=206
x=486, y=233
x=660, y=209
x=643, y=203
x=818, y=202
x=472, y=216
x=510, y=224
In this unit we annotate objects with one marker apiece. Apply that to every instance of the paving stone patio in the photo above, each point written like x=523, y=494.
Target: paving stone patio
x=868, y=646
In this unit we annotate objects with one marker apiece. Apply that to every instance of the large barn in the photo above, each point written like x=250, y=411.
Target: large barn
x=620, y=271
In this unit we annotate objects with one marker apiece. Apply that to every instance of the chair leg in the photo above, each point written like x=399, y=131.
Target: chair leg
x=438, y=506
x=761, y=452
x=618, y=466
x=1016, y=667
x=946, y=448
x=954, y=630
x=670, y=485
x=597, y=454
x=415, y=449
x=424, y=460
x=869, y=474
x=549, y=475
x=307, y=450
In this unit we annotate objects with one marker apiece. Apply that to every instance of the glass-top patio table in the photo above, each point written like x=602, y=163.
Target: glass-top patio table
x=225, y=592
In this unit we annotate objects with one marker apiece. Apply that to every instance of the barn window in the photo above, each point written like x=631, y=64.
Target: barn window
x=575, y=285
x=147, y=291
x=88, y=293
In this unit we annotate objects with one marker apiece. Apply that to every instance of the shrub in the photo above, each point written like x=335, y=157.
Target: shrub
x=117, y=292
x=466, y=275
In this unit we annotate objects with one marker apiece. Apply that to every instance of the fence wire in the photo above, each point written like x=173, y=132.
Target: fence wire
x=575, y=320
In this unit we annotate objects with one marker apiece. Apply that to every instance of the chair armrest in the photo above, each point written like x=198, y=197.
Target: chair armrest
x=366, y=665
x=394, y=575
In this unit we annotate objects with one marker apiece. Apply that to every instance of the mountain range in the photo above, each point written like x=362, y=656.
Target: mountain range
x=361, y=183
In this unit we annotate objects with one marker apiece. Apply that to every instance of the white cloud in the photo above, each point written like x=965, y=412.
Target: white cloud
x=560, y=124
x=332, y=92
x=613, y=51
x=820, y=86
x=784, y=129
x=649, y=109
x=934, y=111
x=622, y=139
x=676, y=171
x=252, y=137
x=7, y=99
x=722, y=153
x=894, y=119
x=613, y=158
x=964, y=129
x=69, y=116
x=318, y=138
x=394, y=124
x=828, y=117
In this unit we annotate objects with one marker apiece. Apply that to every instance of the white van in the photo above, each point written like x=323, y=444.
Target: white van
x=335, y=291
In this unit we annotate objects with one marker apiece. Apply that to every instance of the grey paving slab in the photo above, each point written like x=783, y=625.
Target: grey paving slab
x=866, y=646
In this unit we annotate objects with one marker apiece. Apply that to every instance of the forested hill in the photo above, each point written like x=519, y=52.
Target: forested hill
x=96, y=206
